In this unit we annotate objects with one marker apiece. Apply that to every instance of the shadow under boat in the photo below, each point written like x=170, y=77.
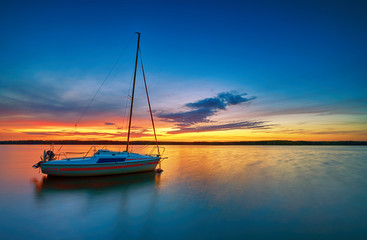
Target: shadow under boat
x=51, y=184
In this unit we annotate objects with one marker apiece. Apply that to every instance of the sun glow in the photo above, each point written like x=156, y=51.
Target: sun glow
x=142, y=131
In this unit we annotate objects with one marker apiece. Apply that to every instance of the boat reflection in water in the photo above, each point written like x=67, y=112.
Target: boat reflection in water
x=112, y=204
x=49, y=185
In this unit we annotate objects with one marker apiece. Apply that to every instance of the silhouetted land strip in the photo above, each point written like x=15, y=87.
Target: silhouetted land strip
x=275, y=142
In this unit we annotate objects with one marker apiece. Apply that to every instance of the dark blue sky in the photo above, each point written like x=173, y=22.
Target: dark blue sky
x=295, y=57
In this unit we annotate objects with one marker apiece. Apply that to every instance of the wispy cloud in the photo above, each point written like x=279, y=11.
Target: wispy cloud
x=199, y=112
x=74, y=133
x=223, y=127
x=107, y=135
x=292, y=107
x=55, y=98
x=325, y=132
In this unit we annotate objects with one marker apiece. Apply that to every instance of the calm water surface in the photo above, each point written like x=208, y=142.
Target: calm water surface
x=204, y=192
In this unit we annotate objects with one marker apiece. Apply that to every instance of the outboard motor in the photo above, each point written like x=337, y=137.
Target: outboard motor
x=47, y=156
x=50, y=155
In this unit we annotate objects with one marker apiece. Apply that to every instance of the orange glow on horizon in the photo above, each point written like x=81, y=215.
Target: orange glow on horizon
x=282, y=128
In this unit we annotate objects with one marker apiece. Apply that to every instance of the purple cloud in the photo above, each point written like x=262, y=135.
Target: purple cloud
x=204, y=108
x=188, y=118
x=201, y=110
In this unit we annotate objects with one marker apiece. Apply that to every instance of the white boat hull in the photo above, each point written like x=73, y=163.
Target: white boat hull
x=100, y=165
x=96, y=169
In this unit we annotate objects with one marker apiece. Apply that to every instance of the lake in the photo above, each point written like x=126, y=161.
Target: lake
x=204, y=192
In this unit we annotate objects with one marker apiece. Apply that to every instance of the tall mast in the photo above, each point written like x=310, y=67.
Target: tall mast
x=132, y=95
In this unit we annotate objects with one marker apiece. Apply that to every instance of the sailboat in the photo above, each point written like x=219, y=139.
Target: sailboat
x=103, y=161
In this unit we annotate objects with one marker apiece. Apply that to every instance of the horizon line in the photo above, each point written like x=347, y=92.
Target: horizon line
x=114, y=142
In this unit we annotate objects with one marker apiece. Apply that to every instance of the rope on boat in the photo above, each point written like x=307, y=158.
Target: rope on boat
x=75, y=152
x=132, y=95
x=159, y=169
x=107, y=76
x=123, y=51
x=124, y=116
x=150, y=108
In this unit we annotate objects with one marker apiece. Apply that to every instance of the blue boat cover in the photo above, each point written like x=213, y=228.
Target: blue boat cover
x=106, y=160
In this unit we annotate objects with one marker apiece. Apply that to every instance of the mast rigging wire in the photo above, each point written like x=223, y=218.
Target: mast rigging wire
x=105, y=79
x=150, y=108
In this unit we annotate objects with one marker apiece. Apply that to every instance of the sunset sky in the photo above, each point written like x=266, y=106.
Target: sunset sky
x=216, y=70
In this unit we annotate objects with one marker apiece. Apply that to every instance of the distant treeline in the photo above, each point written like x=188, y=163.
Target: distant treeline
x=274, y=142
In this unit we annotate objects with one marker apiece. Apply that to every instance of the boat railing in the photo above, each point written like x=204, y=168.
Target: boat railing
x=164, y=149
x=58, y=156
x=158, y=150
x=64, y=155
x=92, y=148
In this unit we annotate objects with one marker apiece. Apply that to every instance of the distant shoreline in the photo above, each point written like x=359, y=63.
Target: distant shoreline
x=273, y=142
